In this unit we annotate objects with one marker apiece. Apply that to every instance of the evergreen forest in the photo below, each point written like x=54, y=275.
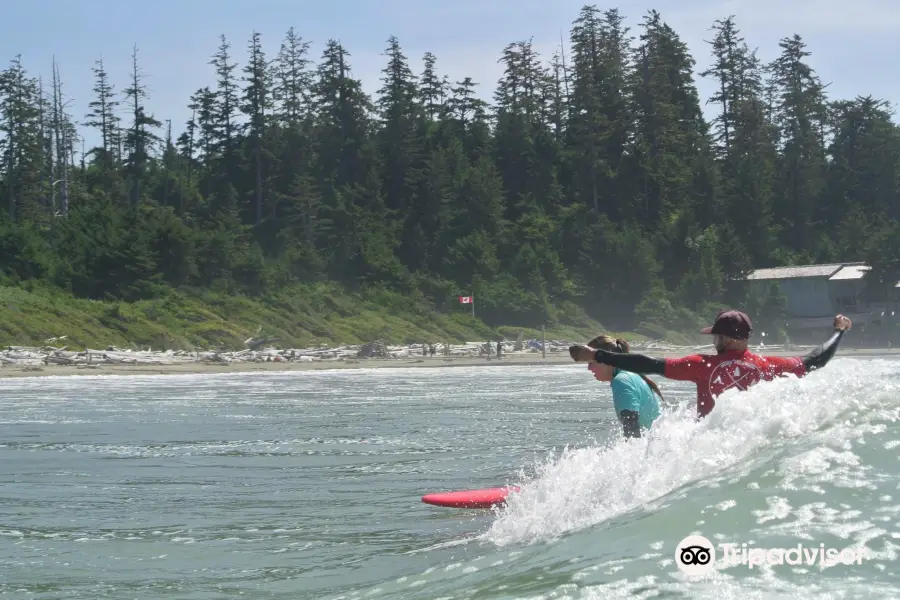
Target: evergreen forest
x=590, y=186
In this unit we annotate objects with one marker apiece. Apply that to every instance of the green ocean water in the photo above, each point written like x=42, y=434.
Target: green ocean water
x=308, y=484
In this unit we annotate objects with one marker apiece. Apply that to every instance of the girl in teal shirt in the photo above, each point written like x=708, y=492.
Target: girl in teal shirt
x=634, y=396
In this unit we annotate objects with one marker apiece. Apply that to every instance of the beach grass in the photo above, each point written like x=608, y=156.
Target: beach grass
x=300, y=317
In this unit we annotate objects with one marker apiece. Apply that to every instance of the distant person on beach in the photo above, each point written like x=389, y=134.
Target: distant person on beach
x=734, y=366
x=634, y=396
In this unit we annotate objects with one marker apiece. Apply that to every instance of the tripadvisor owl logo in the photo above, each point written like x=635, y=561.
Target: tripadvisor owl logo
x=695, y=555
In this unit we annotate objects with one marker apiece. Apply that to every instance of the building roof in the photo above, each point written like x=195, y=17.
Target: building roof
x=798, y=271
x=850, y=272
x=833, y=271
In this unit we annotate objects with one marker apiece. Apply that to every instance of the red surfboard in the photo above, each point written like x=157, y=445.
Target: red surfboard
x=485, y=498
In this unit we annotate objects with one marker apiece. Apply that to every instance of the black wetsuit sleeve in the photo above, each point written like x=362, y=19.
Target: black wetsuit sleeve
x=819, y=357
x=630, y=424
x=635, y=363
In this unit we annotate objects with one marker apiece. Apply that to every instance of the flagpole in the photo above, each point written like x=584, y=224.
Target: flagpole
x=473, y=306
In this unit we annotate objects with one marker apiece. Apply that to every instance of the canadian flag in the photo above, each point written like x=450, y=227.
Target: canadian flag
x=465, y=299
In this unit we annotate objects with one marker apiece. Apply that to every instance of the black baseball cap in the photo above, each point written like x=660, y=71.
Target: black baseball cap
x=732, y=323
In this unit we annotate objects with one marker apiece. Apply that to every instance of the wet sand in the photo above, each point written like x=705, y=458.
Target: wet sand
x=185, y=368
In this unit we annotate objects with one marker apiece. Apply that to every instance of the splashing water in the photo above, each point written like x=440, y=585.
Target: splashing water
x=586, y=486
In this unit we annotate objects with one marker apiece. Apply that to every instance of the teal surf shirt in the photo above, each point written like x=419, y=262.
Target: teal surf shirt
x=631, y=392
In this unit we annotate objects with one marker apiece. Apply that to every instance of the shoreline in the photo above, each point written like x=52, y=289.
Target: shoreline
x=508, y=360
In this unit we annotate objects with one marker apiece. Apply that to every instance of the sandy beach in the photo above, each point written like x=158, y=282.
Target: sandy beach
x=508, y=360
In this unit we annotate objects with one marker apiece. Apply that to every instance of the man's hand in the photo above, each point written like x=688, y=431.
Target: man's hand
x=841, y=322
x=582, y=353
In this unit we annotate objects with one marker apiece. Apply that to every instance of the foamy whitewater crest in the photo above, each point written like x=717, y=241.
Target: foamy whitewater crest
x=725, y=588
x=586, y=486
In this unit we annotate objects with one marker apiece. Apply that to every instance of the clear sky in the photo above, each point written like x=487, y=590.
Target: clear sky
x=855, y=44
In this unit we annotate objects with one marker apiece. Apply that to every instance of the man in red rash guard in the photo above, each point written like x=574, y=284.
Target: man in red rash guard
x=734, y=366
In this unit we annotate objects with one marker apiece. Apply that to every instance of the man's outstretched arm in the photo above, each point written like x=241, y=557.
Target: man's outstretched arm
x=687, y=368
x=634, y=363
x=819, y=357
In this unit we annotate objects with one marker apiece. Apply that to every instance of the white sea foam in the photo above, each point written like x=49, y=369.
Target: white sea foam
x=586, y=486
